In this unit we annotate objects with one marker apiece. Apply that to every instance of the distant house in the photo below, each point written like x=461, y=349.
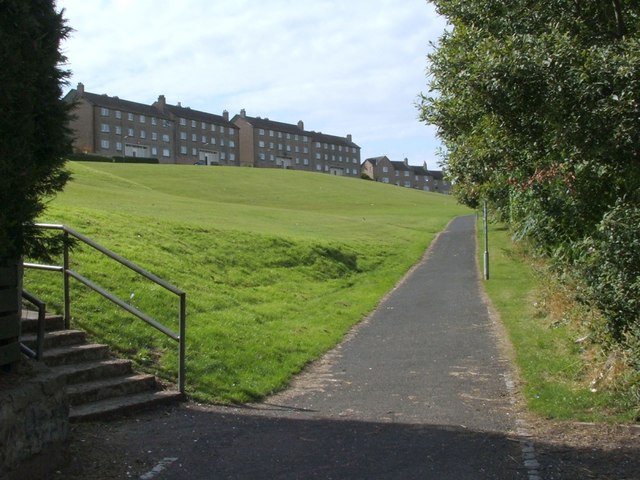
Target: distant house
x=382, y=169
x=110, y=126
x=269, y=144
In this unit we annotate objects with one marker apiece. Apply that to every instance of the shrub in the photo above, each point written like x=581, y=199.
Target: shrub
x=611, y=269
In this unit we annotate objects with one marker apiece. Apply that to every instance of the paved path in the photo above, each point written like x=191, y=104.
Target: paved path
x=418, y=391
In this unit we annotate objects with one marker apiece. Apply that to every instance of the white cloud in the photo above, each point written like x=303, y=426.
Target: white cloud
x=342, y=67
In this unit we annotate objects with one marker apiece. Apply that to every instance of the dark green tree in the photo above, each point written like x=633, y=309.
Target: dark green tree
x=34, y=136
x=34, y=139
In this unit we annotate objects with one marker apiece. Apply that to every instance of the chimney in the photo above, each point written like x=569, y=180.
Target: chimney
x=406, y=161
x=243, y=113
x=349, y=137
x=180, y=104
x=161, y=103
x=80, y=88
x=300, y=124
x=225, y=115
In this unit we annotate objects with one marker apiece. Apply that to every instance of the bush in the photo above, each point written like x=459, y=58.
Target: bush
x=611, y=269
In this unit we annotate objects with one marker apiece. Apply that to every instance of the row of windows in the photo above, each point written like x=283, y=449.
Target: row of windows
x=282, y=148
x=288, y=136
x=106, y=145
x=208, y=126
x=196, y=152
x=334, y=158
x=106, y=128
x=207, y=140
x=305, y=139
x=105, y=112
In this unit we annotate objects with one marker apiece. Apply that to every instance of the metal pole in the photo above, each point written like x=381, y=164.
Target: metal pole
x=182, y=341
x=65, y=276
x=486, y=242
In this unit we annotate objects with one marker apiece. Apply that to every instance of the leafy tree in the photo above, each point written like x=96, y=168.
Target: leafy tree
x=538, y=107
x=537, y=104
x=34, y=137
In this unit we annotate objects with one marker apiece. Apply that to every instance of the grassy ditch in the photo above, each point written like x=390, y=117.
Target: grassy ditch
x=277, y=265
x=565, y=374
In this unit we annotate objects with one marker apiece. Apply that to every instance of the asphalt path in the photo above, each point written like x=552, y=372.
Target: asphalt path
x=419, y=390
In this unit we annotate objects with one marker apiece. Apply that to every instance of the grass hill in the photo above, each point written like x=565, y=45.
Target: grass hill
x=277, y=264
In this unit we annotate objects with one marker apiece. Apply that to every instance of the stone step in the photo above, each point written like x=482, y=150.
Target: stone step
x=91, y=371
x=121, y=405
x=75, y=354
x=111, y=387
x=29, y=322
x=55, y=339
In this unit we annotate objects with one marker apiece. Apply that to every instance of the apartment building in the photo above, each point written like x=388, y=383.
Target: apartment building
x=110, y=126
x=266, y=143
x=382, y=169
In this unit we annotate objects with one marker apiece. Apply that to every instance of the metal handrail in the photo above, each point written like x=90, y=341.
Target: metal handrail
x=42, y=310
x=69, y=273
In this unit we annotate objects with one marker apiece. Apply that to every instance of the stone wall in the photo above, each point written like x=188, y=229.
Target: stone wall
x=34, y=421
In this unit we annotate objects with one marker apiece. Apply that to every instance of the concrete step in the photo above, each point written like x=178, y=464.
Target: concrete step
x=91, y=371
x=29, y=322
x=110, y=387
x=75, y=354
x=55, y=339
x=121, y=405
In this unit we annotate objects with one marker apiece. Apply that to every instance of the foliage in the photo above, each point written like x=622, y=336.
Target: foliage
x=611, y=269
x=277, y=264
x=33, y=133
x=537, y=104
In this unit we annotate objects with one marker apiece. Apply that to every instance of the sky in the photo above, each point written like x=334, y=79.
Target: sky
x=341, y=66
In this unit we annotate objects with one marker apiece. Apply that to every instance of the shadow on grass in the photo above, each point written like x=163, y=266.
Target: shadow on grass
x=278, y=442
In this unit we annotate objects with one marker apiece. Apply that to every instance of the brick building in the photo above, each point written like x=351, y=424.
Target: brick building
x=382, y=169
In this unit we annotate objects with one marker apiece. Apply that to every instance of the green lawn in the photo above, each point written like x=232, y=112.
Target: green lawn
x=277, y=264
x=549, y=331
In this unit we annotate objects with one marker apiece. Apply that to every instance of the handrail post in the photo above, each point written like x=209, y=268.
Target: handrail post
x=182, y=341
x=65, y=276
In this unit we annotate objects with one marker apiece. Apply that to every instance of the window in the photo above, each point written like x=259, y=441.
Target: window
x=130, y=116
x=222, y=142
x=143, y=134
x=194, y=152
x=154, y=121
x=118, y=130
x=261, y=156
x=223, y=156
x=231, y=131
x=212, y=141
x=232, y=157
x=279, y=134
x=203, y=125
x=318, y=167
x=318, y=156
x=406, y=173
x=118, y=146
x=183, y=150
x=305, y=161
x=385, y=169
x=305, y=139
x=183, y=135
x=118, y=114
x=204, y=139
x=271, y=133
x=104, y=112
x=154, y=135
x=183, y=121
x=221, y=129
x=194, y=137
x=143, y=119
x=317, y=144
x=154, y=151
x=232, y=143
x=166, y=152
x=104, y=128
x=165, y=138
x=193, y=124
x=130, y=132
x=261, y=144
x=104, y=144
x=305, y=149
x=261, y=131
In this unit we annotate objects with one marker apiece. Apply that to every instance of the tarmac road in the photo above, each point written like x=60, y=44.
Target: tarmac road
x=417, y=391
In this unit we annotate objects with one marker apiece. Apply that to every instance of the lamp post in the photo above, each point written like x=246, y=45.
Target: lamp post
x=486, y=241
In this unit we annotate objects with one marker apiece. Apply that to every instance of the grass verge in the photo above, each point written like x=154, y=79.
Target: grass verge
x=563, y=371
